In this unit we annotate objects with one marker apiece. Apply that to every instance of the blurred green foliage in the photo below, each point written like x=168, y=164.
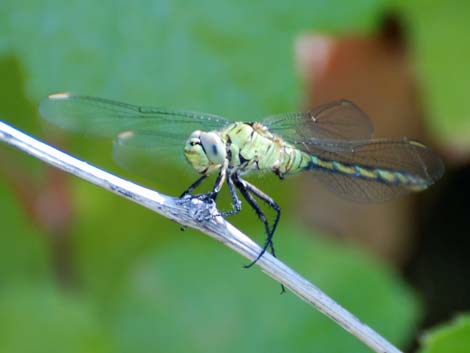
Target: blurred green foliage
x=453, y=337
x=438, y=32
x=232, y=58
x=180, y=295
x=38, y=318
x=139, y=284
x=24, y=253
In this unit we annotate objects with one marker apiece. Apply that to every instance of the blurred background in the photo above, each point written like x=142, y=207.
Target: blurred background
x=76, y=278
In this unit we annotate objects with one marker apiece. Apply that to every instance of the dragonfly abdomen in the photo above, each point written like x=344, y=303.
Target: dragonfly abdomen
x=385, y=176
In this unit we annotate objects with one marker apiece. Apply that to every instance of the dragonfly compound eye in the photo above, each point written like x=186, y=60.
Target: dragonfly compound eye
x=213, y=147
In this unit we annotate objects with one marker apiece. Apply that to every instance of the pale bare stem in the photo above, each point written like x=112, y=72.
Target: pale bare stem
x=194, y=213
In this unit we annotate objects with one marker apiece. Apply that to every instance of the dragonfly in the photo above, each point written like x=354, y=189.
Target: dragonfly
x=332, y=142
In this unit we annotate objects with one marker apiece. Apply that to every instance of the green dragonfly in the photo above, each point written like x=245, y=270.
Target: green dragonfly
x=332, y=142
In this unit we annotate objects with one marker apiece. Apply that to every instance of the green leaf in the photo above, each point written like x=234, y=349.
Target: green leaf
x=229, y=57
x=24, y=249
x=37, y=318
x=24, y=252
x=452, y=337
x=194, y=293
x=439, y=43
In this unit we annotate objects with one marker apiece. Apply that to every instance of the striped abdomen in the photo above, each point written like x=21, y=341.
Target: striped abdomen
x=369, y=173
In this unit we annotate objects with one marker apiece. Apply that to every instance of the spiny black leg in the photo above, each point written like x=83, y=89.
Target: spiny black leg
x=193, y=186
x=245, y=188
x=271, y=203
x=235, y=200
x=250, y=199
x=211, y=195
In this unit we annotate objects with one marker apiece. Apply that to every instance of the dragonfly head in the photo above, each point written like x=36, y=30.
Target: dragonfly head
x=205, y=151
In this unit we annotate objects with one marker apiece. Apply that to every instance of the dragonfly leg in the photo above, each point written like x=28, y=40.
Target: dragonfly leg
x=247, y=190
x=212, y=195
x=219, y=183
x=193, y=186
x=237, y=205
x=251, y=200
x=241, y=184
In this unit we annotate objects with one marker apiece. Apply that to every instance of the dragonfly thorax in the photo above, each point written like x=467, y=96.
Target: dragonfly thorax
x=205, y=151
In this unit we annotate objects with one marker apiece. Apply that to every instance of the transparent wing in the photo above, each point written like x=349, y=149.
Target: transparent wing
x=145, y=152
x=337, y=120
x=142, y=134
x=105, y=117
x=374, y=170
